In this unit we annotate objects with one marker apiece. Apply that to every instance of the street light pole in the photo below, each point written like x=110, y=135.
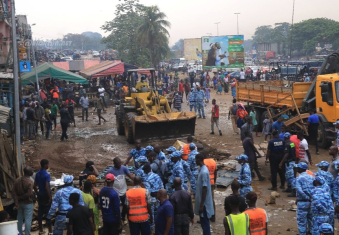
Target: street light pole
x=16, y=89
x=237, y=22
x=217, y=28
x=291, y=36
x=34, y=62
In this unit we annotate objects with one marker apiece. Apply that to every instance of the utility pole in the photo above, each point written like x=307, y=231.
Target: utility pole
x=237, y=22
x=291, y=36
x=217, y=28
x=16, y=89
x=34, y=61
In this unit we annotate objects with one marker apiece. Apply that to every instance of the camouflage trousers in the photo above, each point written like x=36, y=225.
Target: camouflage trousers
x=289, y=174
x=59, y=225
x=318, y=220
x=304, y=217
x=154, y=207
x=245, y=190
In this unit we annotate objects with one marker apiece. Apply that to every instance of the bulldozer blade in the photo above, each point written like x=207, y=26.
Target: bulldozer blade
x=164, y=129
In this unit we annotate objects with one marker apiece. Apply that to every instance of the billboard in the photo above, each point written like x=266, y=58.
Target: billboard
x=192, y=49
x=223, y=51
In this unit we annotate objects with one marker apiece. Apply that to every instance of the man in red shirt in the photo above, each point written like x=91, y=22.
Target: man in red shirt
x=215, y=117
x=181, y=88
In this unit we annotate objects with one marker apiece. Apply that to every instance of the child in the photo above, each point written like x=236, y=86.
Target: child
x=219, y=88
x=253, y=115
x=267, y=127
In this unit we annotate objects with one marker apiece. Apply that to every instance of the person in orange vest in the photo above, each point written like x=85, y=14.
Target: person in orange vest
x=185, y=149
x=212, y=168
x=139, y=212
x=258, y=216
x=55, y=94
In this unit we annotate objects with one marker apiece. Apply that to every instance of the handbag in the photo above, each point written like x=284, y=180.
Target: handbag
x=33, y=197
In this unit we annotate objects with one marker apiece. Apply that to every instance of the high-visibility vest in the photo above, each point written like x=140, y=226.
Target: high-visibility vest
x=238, y=224
x=211, y=165
x=185, y=151
x=257, y=221
x=310, y=173
x=137, y=204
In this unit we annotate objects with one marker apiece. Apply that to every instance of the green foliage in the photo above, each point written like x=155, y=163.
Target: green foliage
x=123, y=33
x=153, y=34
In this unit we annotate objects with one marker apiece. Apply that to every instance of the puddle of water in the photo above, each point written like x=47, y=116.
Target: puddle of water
x=89, y=132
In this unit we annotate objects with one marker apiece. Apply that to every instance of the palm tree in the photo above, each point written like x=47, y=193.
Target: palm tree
x=153, y=34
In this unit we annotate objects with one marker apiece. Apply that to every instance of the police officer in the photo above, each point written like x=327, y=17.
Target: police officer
x=136, y=153
x=60, y=202
x=245, y=176
x=321, y=206
x=187, y=171
x=199, y=99
x=191, y=100
x=177, y=171
x=289, y=161
x=157, y=166
x=142, y=160
x=193, y=166
x=323, y=171
x=148, y=150
x=304, y=187
x=335, y=187
x=169, y=163
x=153, y=184
x=275, y=154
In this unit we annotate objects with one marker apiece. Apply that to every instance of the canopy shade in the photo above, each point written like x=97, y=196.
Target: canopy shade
x=47, y=70
x=105, y=68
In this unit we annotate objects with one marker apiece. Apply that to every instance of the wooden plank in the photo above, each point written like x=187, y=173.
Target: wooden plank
x=4, y=169
x=296, y=118
x=2, y=160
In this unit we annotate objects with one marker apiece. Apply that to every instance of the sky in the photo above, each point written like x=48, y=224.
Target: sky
x=188, y=18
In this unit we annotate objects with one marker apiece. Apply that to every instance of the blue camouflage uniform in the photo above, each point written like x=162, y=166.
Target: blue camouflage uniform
x=335, y=187
x=325, y=174
x=177, y=171
x=153, y=184
x=61, y=202
x=191, y=100
x=304, y=187
x=321, y=206
x=187, y=173
x=326, y=228
x=199, y=98
x=136, y=154
x=194, y=169
x=290, y=161
x=161, y=156
x=245, y=177
x=140, y=172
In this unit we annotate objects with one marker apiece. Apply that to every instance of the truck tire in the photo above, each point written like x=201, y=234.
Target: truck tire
x=129, y=127
x=322, y=141
x=120, y=121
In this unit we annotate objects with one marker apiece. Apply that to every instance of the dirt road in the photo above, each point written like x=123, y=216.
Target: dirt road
x=101, y=144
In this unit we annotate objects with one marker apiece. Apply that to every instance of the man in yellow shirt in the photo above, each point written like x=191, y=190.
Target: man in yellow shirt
x=88, y=199
x=142, y=84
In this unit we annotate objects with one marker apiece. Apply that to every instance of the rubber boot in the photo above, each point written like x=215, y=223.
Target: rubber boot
x=293, y=194
x=288, y=190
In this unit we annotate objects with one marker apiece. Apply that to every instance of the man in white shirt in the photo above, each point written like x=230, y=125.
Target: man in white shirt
x=101, y=90
x=242, y=76
x=84, y=102
x=304, y=153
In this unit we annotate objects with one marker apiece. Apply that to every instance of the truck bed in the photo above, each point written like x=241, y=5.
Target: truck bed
x=272, y=93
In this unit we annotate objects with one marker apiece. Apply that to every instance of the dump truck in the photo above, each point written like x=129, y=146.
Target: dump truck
x=146, y=115
x=297, y=99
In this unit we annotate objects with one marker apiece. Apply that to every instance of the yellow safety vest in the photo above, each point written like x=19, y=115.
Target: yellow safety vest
x=238, y=224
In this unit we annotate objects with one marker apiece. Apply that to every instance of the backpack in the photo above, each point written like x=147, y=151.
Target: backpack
x=234, y=109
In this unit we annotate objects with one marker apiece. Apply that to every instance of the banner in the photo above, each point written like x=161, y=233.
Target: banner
x=223, y=51
x=192, y=49
x=25, y=66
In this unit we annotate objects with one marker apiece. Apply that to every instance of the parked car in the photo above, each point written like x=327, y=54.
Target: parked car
x=66, y=59
x=96, y=54
x=235, y=75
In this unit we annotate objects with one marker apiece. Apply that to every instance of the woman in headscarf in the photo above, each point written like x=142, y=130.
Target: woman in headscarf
x=234, y=87
x=241, y=114
x=95, y=193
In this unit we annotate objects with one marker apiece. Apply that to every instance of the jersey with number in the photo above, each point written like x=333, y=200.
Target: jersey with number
x=109, y=204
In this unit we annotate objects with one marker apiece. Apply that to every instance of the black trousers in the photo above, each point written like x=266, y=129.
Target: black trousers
x=64, y=126
x=274, y=164
x=313, y=137
x=111, y=228
x=254, y=167
x=41, y=126
x=181, y=225
x=124, y=207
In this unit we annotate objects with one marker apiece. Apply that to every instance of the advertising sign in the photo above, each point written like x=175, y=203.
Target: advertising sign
x=223, y=51
x=192, y=49
x=25, y=66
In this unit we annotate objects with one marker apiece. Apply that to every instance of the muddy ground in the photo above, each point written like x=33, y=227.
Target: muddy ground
x=88, y=141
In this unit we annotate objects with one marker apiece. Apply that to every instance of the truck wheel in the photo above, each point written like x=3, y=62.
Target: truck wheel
x=119, y=122
x=322, y=141
x=129, y=127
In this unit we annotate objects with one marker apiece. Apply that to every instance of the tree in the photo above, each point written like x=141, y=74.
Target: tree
x=123, y=33
x=153, y=33
x=179, y=47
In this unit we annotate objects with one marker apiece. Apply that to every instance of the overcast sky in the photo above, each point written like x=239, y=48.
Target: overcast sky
x=189, y=18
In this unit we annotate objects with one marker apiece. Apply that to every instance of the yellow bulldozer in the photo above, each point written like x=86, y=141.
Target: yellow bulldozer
x=146, y=115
